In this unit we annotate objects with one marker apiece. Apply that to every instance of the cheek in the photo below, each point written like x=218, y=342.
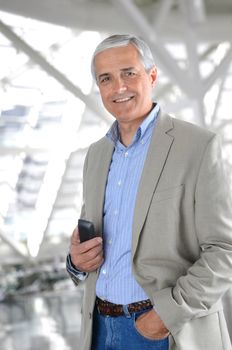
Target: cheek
x=105, y=94
x=147, y=92
x=103, y=97
x=107, y=103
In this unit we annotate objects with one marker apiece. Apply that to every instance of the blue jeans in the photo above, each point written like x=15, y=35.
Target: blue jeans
x=120, y=333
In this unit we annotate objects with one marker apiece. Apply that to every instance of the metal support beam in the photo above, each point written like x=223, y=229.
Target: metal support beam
x=188, y=12
x=219, y=71
x=51, y=211
x=161, y=15
x=37, y=58
x=16, y=150
x=88, y=14
x=162, y=56
x=13, y=74
x=181, y=103
x=196, y=11
x=14, y=246
x=217, y=102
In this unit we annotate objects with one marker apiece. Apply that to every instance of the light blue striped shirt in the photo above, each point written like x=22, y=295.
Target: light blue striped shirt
x=116, y=282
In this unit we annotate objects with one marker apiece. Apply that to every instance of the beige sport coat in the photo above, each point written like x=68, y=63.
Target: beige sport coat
x=182, y=232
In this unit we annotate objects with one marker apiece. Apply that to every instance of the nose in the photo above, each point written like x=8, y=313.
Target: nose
x=119, y=85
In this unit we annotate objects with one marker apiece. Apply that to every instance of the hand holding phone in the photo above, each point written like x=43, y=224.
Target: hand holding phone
x=86, y=257
x=86, y=230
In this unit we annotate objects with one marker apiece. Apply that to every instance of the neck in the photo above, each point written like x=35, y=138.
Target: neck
x=127, y=129
x=127, y=132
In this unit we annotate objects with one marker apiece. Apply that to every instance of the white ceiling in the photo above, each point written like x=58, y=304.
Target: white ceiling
x=213, y=17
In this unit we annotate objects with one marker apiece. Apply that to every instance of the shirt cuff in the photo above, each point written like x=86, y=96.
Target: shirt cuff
x=74, y=273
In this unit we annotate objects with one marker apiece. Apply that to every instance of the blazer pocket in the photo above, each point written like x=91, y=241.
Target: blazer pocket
x=168, y=193
x=202, y=333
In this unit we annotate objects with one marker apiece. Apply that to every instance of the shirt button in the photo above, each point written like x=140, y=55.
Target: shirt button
x=142, y=142
x=116, y=212
x=126, y=154
x=119, y=183
x=110, y=241
x=104, y=272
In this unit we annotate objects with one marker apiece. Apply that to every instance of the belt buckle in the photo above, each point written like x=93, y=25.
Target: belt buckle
x=126, y=311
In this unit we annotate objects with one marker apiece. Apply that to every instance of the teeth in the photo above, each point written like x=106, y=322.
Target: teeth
x=122, y=99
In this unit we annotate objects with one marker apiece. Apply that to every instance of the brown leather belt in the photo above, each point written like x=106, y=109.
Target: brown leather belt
x=109, y=309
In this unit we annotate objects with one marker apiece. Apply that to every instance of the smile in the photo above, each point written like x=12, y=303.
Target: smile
x=124, y=99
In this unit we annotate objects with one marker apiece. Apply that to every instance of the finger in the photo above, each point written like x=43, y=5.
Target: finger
x=89, y=265
x=90, y=244
x=94, y=264
x=91, y=254
x=82, y=258
x=75, y=238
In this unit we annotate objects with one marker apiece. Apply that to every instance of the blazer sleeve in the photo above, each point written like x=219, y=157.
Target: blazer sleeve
x=211, y=275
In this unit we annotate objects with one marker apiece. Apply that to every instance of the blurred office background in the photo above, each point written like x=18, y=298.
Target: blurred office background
x=50, y=111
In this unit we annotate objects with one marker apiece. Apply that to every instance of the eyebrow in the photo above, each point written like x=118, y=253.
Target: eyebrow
x=121, y=70
x=126, y=69
x=102, y=75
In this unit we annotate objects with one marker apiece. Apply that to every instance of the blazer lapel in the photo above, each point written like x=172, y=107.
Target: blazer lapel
x=156, y=157
x=102, y=160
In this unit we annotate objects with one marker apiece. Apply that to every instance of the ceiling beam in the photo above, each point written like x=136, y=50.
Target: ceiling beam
x=38, y=59
x=19, y=70
x=14, y=150
x=51, y=211
x=196, y=11
x=16, y=247
x=161, y=15
x=191, y=16
x=219, y=71
x=218, y=99
x=87, y=15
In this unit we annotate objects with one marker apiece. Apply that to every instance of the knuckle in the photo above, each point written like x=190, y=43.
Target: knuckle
x=93, y=253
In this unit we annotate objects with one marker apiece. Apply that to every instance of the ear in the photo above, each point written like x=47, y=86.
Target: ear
x=153, y=76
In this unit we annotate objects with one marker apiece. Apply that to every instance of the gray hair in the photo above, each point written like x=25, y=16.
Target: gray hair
x=119, y=40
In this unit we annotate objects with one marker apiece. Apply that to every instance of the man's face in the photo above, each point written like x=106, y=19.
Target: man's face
x=124, y=84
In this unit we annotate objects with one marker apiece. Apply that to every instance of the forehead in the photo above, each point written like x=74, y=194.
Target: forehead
x=117, y=58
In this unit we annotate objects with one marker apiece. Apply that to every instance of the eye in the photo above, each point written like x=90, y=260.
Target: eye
x=104, y=79
x=129, y=74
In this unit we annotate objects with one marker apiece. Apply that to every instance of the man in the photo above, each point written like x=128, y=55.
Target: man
x=155, y=190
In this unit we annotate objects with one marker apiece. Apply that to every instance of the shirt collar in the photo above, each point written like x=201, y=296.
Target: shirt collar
x=114, y=135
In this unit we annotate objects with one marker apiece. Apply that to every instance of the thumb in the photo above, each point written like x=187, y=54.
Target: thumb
x=75, y=236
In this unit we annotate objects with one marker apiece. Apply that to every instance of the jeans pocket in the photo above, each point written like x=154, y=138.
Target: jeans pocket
x=139, y=333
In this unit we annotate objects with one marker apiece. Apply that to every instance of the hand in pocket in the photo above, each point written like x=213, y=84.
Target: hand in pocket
x=150, y=325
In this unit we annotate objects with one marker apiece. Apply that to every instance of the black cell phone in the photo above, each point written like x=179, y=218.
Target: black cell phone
x=86, y=230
